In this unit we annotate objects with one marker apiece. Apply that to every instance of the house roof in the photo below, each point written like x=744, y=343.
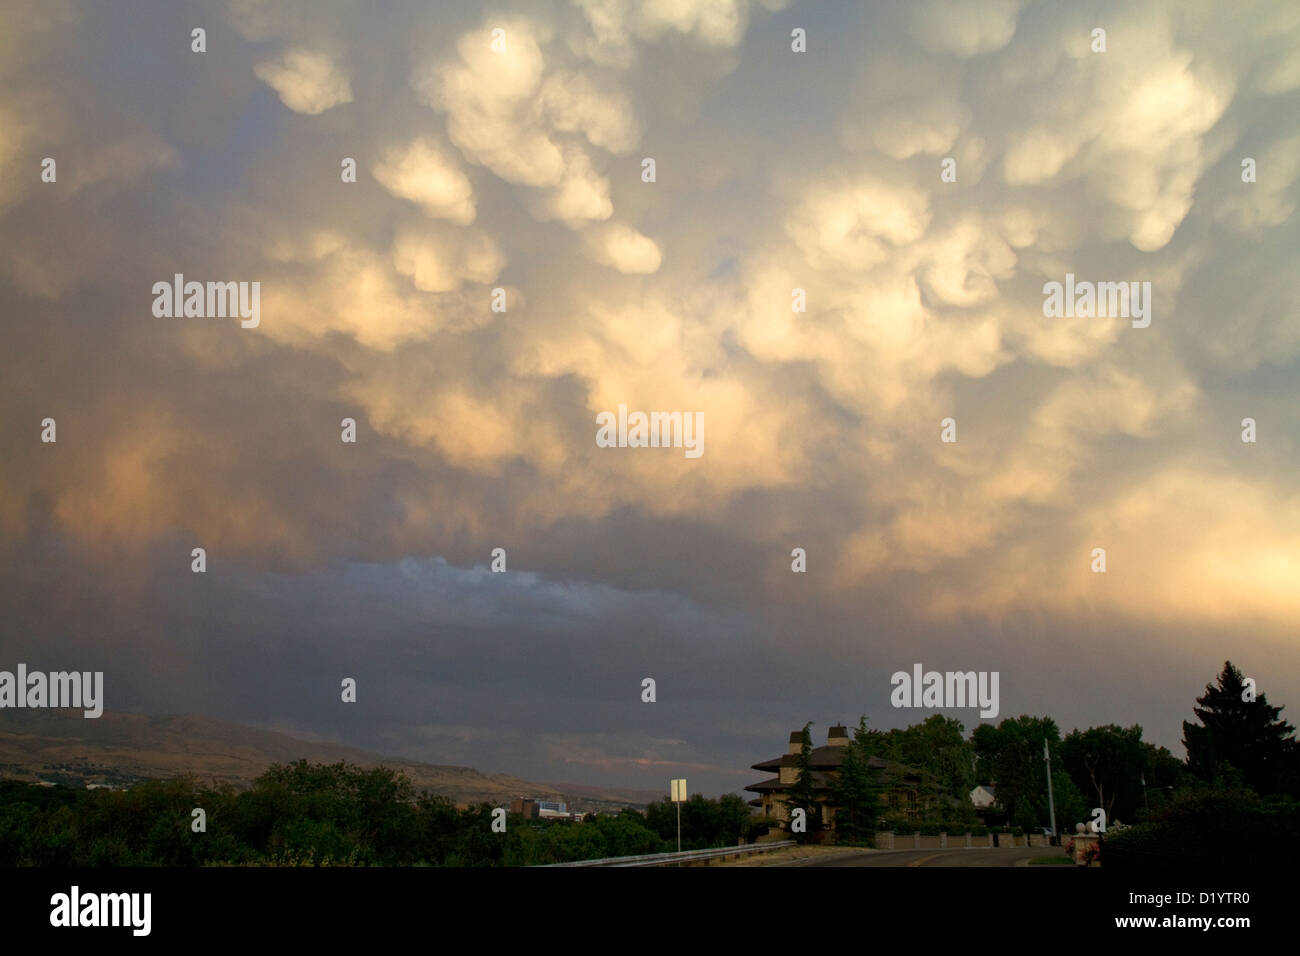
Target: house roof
x=821, y=779
x=821, y=758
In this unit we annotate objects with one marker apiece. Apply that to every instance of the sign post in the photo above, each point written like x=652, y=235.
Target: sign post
x=679, y=797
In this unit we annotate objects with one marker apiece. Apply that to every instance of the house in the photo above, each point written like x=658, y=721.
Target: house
x=900, y=795
x=984, y=796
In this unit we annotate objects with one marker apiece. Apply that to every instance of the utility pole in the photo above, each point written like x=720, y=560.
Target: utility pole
x=1051, y=802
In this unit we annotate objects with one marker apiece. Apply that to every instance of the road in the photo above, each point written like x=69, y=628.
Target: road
x=951, y=857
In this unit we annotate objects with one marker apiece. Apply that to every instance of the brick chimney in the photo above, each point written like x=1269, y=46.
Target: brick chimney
x=796, y=741
x=837, y=736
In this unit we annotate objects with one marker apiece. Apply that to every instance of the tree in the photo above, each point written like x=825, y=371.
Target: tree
x=1246, y=734
x=938, y=748
x=856, y=792
x=1071, y=808
x=733, y=818
x=706, y=822
x=802, y=794
x=661, y=817
x=1162, y=775
x=1010, y=755
x=1108, y=763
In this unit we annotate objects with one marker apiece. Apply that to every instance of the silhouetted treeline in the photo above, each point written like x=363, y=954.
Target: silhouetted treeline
x=1237, y=803
x=1233, y=801
x=316, y=815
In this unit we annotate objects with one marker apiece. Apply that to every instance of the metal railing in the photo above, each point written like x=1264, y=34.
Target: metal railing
x=686, y=856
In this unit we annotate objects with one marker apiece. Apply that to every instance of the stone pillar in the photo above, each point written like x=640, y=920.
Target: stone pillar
x=916, y=840
x=968, y=841
x=1084, y=841
x=943, y=841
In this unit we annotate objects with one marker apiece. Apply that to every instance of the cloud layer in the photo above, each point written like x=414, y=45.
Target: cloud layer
x=506, y=168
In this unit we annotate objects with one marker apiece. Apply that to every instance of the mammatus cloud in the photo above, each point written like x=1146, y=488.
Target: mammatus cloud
x=623, y=248
x=1136, y=131
x=423, y=174
x=963, y=29
x=440, y=263
x=488, y=98
x=580, y=195
x=308, y=81
x=618, y=26
x=857, y=224
x=542, y=126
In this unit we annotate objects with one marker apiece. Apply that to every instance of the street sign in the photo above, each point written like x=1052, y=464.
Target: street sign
x=678, y=791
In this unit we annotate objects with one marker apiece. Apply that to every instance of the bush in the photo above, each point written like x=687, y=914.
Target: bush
x=1212, y=828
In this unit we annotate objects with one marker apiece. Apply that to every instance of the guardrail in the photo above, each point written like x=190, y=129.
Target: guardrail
x=686, y=856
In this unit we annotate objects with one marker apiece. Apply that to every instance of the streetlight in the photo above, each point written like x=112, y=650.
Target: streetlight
x=1051, y=802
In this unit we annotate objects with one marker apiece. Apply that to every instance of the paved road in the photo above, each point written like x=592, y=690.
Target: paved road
x=953, y=857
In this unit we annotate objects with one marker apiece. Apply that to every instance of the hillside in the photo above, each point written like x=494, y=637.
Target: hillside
x=603, y=798
x=118, y=749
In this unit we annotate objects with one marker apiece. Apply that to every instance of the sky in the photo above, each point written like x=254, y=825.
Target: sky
x=514, y=161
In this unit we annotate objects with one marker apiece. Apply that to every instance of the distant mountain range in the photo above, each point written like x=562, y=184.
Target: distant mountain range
x=120, y=749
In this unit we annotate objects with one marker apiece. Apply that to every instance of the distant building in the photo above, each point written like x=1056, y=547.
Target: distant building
x=984, y=796
x=543, y=809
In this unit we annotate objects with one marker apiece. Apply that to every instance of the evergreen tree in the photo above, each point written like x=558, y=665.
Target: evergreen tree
x=856, y=793
x=802, y=794
x=1248, y=735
